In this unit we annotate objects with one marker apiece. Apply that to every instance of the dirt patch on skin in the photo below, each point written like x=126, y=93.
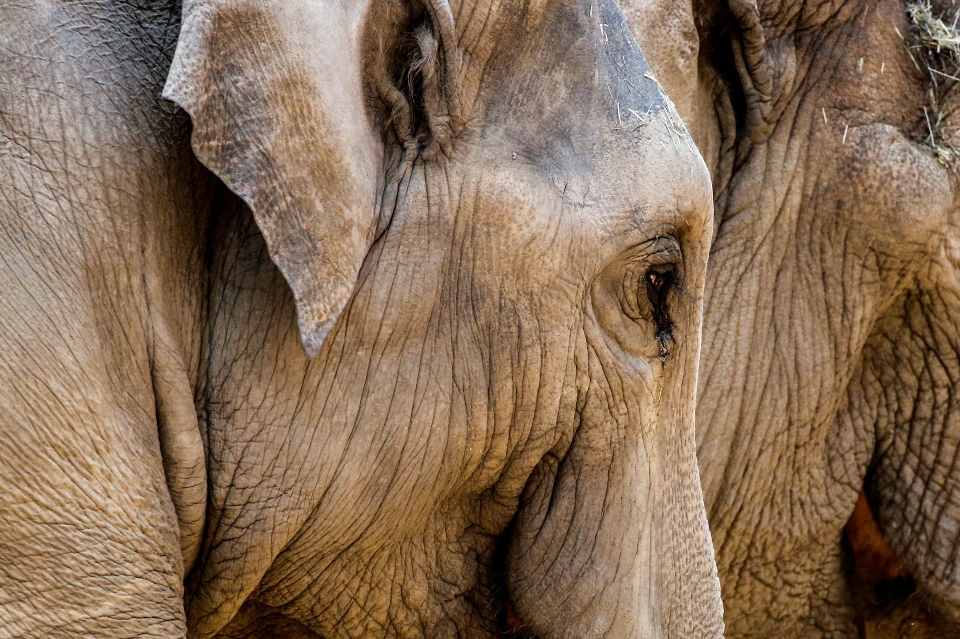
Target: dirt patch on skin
x=933, y=45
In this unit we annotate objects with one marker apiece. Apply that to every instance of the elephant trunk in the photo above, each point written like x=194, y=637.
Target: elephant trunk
x=611, y=538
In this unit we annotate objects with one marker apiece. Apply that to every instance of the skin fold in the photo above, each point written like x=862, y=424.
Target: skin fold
x=383, y=321
x=830, y=359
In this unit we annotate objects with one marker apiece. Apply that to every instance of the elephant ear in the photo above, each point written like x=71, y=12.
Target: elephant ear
x=913, y=482
x=276, y=95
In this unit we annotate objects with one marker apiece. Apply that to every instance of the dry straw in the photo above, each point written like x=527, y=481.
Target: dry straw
x=934, y=46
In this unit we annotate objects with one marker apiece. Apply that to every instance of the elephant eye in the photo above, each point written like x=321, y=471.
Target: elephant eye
x=660, y=280
x=657, y=280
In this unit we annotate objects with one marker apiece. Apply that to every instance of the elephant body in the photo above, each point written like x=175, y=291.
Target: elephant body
x=102, y=324
x=382, y=334
x=830, y=357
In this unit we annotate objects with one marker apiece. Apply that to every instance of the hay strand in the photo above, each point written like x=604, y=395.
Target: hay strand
x=934, y=46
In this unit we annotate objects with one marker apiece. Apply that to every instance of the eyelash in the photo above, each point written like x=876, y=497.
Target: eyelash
x=659, y=282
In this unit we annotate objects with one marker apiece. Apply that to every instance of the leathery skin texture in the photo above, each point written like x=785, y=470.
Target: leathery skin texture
x=347, y=319
x=827, y=423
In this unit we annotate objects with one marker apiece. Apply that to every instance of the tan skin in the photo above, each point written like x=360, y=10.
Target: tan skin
x=414, y=346
x=829, y=367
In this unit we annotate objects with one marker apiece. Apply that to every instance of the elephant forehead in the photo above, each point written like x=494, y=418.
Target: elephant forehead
x=653, y=174
x=591, y=126
x=600, y=79
x=568, y=219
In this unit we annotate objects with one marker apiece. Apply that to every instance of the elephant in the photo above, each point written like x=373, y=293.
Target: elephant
x=827, y=419
x=347, y=318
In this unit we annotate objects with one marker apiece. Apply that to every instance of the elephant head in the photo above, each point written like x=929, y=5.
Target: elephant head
x=830, y=360
x=418, y=360
x=486, y=228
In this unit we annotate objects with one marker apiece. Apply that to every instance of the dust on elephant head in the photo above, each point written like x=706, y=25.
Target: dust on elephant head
x=428, y=348
x=830, y=358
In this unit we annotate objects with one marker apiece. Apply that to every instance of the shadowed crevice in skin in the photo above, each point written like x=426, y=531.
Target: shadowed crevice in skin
x=878, y=580
x=885, y=594
x=874, y=558
x=509, y=624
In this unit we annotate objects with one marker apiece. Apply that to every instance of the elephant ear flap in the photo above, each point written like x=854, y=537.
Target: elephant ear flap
x=275, y=93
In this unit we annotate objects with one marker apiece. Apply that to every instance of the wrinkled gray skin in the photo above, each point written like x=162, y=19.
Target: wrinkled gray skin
x=832, y=310
x=483, y=221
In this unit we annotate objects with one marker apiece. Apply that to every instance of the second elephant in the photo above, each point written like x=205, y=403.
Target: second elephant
x=831, y=358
